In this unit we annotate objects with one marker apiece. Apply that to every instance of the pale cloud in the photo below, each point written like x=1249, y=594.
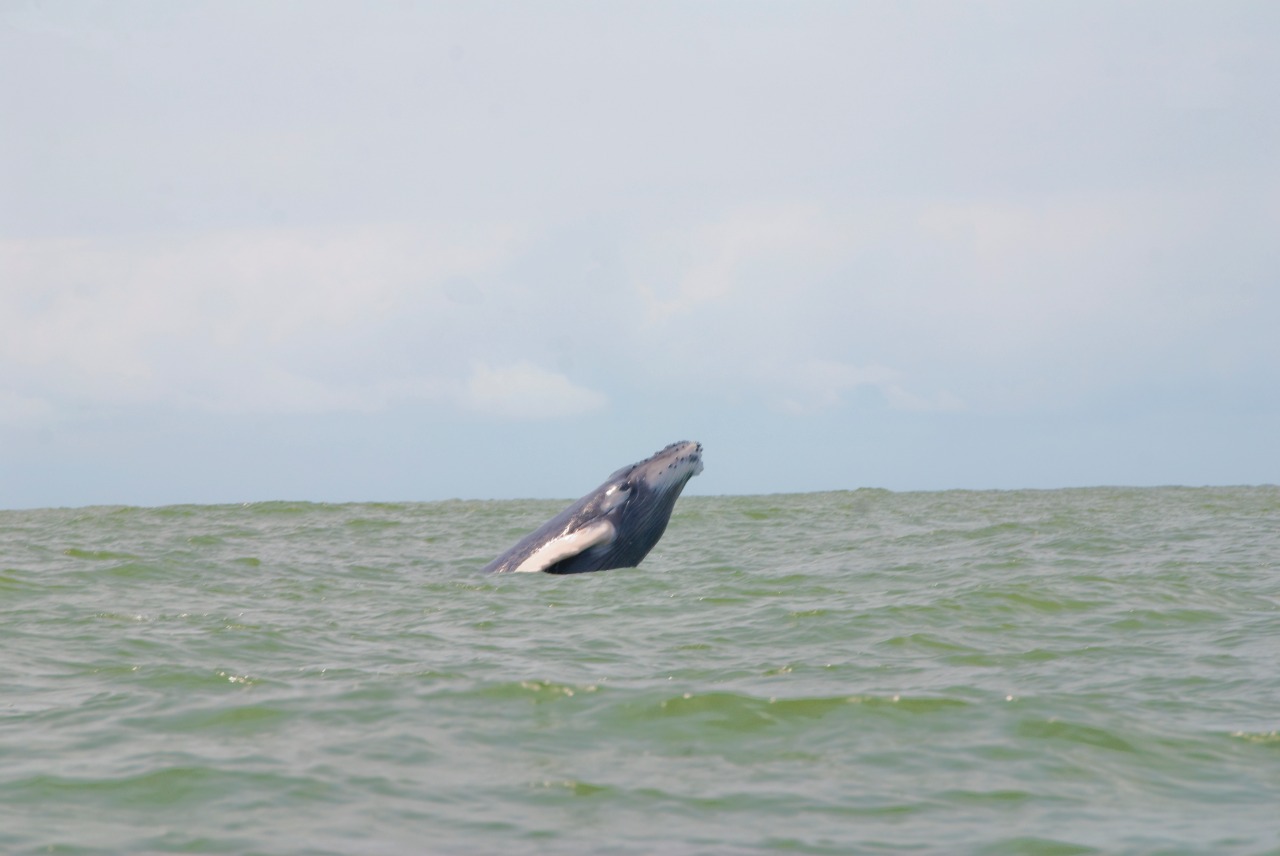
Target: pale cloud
x=942, y=402
x=271, y=389
x=525, y=391
x=979, y=301
x=21, y=411
x=238, y=321
x=1087, y=288
x=821, y=384
x=714, y=257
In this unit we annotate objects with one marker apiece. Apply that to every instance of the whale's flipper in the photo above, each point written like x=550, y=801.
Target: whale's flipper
x=568, y=545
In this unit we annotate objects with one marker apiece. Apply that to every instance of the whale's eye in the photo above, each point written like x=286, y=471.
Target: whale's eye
x=615, y=496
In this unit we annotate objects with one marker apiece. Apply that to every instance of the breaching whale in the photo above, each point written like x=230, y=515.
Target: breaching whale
x=614, y=526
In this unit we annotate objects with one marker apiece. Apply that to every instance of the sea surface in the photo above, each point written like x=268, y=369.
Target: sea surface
x=1056, y=672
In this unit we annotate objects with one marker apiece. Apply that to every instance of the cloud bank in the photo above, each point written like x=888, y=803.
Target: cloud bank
x=603, y=225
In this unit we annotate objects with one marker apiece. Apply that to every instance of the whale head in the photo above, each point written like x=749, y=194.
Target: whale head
x=666, y=470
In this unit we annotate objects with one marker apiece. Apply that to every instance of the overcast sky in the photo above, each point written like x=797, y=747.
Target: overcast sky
x=411, y=251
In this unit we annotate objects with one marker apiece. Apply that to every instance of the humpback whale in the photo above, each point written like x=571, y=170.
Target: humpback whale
x=614, y=526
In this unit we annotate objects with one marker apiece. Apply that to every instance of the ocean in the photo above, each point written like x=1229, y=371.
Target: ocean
x=1049, y=672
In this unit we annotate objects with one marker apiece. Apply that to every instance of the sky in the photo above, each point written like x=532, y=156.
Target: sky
x=409, y=251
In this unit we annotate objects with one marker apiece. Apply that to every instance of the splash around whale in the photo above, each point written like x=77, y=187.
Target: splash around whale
x=614, y=526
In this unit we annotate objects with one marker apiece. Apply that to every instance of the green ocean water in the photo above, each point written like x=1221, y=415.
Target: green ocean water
x=1057, y=672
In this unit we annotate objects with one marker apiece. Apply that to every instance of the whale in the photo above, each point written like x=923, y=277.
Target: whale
x=614, y=526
